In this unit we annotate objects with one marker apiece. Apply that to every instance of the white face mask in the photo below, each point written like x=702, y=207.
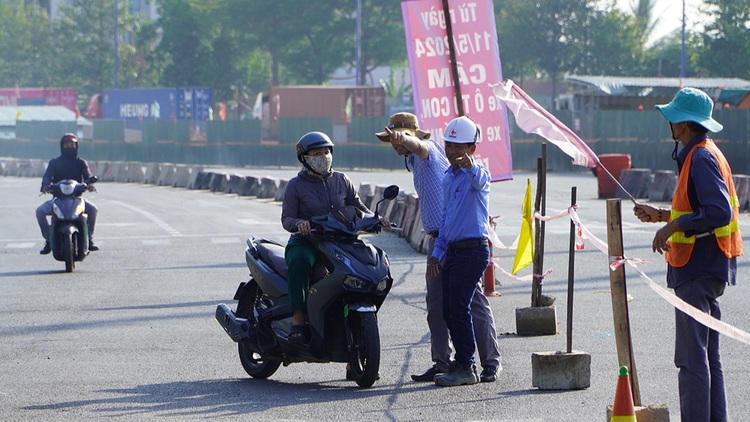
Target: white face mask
x=320, y=164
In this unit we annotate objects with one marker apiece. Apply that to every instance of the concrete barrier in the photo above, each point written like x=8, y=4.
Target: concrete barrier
x=181, y=176
x=135, y=172
x=250, y=186
x=195, y=178
x=662, y=187
x=636, y=181
x=104, y=170
x=167, y=175
x=268, y=186
x=218, y=182
x=233, y=185
x=279, y=196
x=119, y=172
x=411, y=209
x=742, y=186
x=152, y=173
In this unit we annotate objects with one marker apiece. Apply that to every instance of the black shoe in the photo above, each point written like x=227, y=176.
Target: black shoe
x=92, y=245
x=45, y=250
x=488, y=375
x=429, y=375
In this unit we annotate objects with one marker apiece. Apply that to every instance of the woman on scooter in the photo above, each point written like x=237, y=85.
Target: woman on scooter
x=316, y=190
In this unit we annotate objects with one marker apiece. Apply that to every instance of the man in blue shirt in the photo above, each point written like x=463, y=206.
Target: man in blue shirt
x=462, y=248
x=701, y=241
x=428, y=163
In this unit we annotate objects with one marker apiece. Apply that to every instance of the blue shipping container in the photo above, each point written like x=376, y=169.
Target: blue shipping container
x=137, y=105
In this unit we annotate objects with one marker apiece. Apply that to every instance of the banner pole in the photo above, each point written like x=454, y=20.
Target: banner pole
x=454, y=65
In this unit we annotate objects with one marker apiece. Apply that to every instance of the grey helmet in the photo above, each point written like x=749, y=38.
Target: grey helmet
x=310, y=141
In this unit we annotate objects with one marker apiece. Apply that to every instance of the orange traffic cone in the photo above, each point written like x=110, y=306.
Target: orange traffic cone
x=623, y=410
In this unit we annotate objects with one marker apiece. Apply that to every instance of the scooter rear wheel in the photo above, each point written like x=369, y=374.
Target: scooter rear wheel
x=364, y=358
x=255, y=365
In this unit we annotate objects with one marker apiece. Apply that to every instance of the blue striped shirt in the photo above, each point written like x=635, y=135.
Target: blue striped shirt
x=466, y=209
x=427, y=175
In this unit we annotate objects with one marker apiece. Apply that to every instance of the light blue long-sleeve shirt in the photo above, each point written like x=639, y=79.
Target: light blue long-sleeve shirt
x=466, y=207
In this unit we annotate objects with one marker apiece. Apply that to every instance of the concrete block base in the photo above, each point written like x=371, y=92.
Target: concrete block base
x=561, y=370
x=536, y=321
x=651, y=413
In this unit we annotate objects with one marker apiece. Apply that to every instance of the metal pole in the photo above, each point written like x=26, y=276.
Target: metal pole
x=571, y=272
x=115, y=56
x=454, y=65
x=358, y=49
x=682, y=47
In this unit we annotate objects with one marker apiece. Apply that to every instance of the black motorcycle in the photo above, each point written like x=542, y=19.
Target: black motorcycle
x=69, y=232
x=350, y=281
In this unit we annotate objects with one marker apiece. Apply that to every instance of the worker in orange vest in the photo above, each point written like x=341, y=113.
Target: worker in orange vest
x=701, y=242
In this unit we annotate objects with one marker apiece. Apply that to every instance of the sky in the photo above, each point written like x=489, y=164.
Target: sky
x=670, y=13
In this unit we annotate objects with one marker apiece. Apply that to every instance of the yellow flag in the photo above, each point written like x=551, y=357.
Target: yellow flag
x=525, y=250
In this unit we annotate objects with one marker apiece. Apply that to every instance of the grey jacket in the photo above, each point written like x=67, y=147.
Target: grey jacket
x=307, y=196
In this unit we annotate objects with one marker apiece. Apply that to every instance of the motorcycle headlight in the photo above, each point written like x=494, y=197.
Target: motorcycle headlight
x=355, y=283
x=383, y=285
x=80, y=208
x=67, y=188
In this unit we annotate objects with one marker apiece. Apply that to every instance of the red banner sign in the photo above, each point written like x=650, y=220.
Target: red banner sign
x=478, y=63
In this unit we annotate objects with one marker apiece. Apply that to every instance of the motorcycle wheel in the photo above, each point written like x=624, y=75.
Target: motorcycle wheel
x=364, y=359
x=254, y=363
x=67, y=247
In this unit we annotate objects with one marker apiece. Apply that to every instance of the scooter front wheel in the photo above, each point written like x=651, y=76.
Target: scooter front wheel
x=67, y=247
x=364, y=358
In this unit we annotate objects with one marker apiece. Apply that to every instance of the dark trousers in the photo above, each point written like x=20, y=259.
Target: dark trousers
x=462, y=270
x=300, y=258
x=701, y=379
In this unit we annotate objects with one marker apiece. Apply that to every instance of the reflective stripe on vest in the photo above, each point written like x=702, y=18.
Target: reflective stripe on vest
x=727, y=237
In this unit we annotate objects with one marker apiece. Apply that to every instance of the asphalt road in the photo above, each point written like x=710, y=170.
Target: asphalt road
x=130, y=335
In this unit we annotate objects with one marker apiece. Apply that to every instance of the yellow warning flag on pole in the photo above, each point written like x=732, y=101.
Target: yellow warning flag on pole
x=525, y=250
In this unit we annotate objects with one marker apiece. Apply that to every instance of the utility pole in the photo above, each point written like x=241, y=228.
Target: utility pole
x=682, y=47
x=115, y=57
x=358, y=50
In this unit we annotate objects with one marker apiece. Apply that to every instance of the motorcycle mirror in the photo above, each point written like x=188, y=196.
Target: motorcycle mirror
x=389, y=193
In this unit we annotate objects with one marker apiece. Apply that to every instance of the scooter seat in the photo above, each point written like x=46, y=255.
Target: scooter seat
x=273, y=254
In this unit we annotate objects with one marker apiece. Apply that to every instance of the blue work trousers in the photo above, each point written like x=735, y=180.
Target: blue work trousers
x=462, y=270
x=701, y=379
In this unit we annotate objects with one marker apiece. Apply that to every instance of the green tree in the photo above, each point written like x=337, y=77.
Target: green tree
x=25, y=41
x=726, y=41
x=83, y=45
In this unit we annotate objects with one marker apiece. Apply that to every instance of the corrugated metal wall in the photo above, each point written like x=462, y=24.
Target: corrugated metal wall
x=642, y=134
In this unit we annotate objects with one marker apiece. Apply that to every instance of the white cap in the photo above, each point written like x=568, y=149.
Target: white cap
x=461, y=130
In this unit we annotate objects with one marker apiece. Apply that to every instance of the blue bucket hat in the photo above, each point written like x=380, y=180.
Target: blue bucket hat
x=691, y=105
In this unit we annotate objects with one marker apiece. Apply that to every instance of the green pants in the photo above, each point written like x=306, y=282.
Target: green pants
x=300, y=258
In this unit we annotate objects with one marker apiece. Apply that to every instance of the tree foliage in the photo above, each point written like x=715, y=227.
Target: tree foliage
x=241, y=47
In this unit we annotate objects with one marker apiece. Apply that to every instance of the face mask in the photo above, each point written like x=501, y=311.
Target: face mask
x=320, y=164
x=69, y=152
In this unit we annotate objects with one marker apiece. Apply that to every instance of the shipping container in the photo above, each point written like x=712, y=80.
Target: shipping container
x=65, y=97
x=135, y=106
x=338, y=103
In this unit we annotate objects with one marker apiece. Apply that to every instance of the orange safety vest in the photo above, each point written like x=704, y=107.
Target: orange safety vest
x=727, y=237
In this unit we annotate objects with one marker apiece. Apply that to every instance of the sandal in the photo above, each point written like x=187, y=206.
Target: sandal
x=297, y=334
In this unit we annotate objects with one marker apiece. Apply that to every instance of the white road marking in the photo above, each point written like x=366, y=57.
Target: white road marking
x=24, y=245
x=158, y=221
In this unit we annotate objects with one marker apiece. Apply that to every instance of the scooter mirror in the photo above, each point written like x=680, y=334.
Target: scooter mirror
x=390, y=192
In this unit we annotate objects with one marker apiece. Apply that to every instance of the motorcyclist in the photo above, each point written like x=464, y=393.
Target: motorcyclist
x=67, y=166
x=316, y=190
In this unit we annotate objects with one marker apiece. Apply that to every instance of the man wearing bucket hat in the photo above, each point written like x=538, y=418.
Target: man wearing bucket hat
x=701, y=242
x=428, y=163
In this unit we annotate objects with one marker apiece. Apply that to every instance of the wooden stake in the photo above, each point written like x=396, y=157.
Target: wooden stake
x=619, y=291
